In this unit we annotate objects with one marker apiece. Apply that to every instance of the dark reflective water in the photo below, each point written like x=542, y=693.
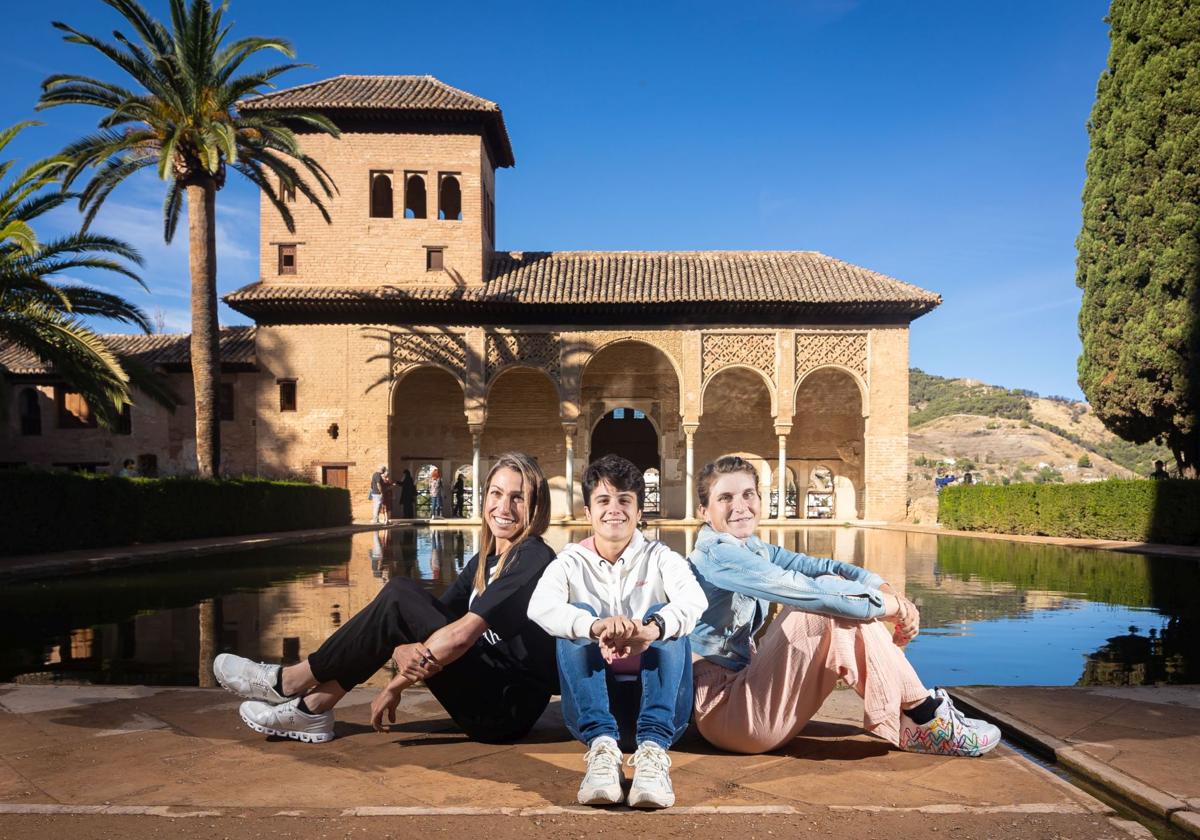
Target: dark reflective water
x=994, y=612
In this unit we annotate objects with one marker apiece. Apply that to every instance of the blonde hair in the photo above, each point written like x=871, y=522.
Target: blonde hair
x=725, y=465
x=537, y=506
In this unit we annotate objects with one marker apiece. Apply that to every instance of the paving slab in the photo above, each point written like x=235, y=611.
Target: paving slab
x=1140, y=742
x=186, y=750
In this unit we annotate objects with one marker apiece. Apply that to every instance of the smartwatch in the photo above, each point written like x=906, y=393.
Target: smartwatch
x=662, y=625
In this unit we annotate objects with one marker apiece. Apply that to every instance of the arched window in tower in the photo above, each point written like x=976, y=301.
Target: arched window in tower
x=414, y=196
x=449, y=199
x=381, y=195
x=31, y=412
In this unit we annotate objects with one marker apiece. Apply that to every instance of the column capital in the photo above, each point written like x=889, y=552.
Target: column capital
x=476, y=429
x=689, y=429
x=783, y=429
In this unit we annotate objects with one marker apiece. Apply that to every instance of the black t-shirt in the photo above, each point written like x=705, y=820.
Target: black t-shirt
x=504, y=605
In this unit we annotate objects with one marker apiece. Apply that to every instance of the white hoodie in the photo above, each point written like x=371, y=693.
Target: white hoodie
x=646, y=574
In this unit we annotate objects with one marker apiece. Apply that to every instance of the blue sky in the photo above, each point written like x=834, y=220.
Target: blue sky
x=942, y=143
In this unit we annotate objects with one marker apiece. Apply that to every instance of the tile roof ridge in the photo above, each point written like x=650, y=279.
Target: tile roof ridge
x=912, y=286
x=686, y=252
x=292, y=89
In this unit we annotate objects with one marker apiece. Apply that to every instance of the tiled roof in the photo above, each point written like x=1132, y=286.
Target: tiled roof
x=236, y=347
x=708, y=286
x=418, y=94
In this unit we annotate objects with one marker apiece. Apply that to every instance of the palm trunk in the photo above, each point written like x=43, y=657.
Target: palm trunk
x=202, y=263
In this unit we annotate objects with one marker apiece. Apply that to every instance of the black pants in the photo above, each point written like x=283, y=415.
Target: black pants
x=491, y=697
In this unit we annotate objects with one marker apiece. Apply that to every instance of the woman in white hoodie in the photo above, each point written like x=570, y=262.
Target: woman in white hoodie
x=621, y=607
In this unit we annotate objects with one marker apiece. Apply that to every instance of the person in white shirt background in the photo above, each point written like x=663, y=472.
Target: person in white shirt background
x=621, y=607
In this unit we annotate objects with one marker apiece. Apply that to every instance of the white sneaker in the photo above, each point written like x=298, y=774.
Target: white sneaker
x=602, y=782
x=246, y=678
x=287, y=721
x=949, y=732
x=651, y=777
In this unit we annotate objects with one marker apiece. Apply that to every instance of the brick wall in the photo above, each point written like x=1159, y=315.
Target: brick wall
x=356, y=249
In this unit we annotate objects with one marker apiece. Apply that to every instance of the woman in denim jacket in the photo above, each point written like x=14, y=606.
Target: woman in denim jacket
x=752, y=699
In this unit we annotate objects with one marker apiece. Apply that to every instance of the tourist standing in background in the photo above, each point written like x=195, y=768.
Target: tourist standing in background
x=408, y=496
x=458, y=491
x=435, y=494
x=375, y=494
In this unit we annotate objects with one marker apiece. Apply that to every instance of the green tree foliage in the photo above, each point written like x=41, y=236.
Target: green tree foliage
x=1084, y=461
x=42, y=315
x=175, y=112
x=1139, y=248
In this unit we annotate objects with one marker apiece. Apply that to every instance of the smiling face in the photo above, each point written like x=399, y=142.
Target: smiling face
x=734, y=506
x=505, y=507
x=613, y=513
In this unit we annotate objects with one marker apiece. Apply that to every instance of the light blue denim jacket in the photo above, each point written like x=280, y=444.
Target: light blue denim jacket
x=742, y=578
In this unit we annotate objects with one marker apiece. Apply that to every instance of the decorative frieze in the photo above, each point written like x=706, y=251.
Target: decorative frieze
x=444, y=349
x=538, y=350
x=843, y=349
x=754, y=350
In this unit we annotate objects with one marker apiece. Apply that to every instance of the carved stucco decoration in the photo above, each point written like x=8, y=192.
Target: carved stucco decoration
x=539, y=350
x=410, y=349
x=844, y=349
x=755, y=350
x=668, y=341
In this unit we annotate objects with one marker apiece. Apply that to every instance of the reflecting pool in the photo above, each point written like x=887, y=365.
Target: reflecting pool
x=993, y=612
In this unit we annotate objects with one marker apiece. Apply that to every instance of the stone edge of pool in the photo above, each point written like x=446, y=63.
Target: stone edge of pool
x=1083, y=710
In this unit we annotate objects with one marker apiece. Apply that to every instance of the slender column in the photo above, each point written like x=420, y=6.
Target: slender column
x=476, y=495
x=782, y=477
x=690, y=473
x=569, y=436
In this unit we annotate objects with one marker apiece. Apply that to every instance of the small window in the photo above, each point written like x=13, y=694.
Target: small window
x=433, y=259
x=381, y=195
x=30, y=410
x=287, y=395
x=287, y=192
x=225, y=400
x=287, y=259
x=414, y=196
x=125, y=421
x=449, y=199
x=489, y=219
x=73, y=410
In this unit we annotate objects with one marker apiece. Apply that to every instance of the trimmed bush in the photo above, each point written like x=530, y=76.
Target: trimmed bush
x=1147, y=511
x=47, y=511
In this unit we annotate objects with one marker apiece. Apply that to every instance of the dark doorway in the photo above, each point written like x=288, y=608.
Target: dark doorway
x=628, y=433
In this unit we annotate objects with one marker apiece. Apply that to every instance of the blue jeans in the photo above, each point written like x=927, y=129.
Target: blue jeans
x=593, y=701
x=435, y=506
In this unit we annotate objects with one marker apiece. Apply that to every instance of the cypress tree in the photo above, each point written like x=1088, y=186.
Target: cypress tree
x=1139, y=248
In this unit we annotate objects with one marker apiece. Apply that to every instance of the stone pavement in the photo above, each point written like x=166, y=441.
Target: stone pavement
x=124, y=751
x=1139, y=742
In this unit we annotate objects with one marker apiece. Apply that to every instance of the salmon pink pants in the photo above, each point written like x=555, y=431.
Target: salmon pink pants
x=801, y=658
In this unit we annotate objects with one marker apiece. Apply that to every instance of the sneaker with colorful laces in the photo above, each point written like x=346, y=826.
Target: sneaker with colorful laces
x=651, y=778
x=602, y=782
x=948, y=732
x=287, y=721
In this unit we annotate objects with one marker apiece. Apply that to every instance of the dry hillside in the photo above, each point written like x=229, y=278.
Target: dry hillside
x=1004, y=436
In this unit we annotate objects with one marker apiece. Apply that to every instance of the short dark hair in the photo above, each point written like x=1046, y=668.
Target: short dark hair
x=620, y=472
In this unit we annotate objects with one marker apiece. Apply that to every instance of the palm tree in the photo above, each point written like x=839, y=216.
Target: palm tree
x=43, y=316
x=181, y=117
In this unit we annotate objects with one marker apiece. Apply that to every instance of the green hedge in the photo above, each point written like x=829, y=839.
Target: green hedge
x=1147, y=511
x=48, y=511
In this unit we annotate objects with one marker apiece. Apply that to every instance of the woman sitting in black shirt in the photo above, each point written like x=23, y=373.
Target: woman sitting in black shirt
x=491, y=667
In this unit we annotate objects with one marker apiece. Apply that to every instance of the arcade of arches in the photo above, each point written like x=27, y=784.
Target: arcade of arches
x=821, y=413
